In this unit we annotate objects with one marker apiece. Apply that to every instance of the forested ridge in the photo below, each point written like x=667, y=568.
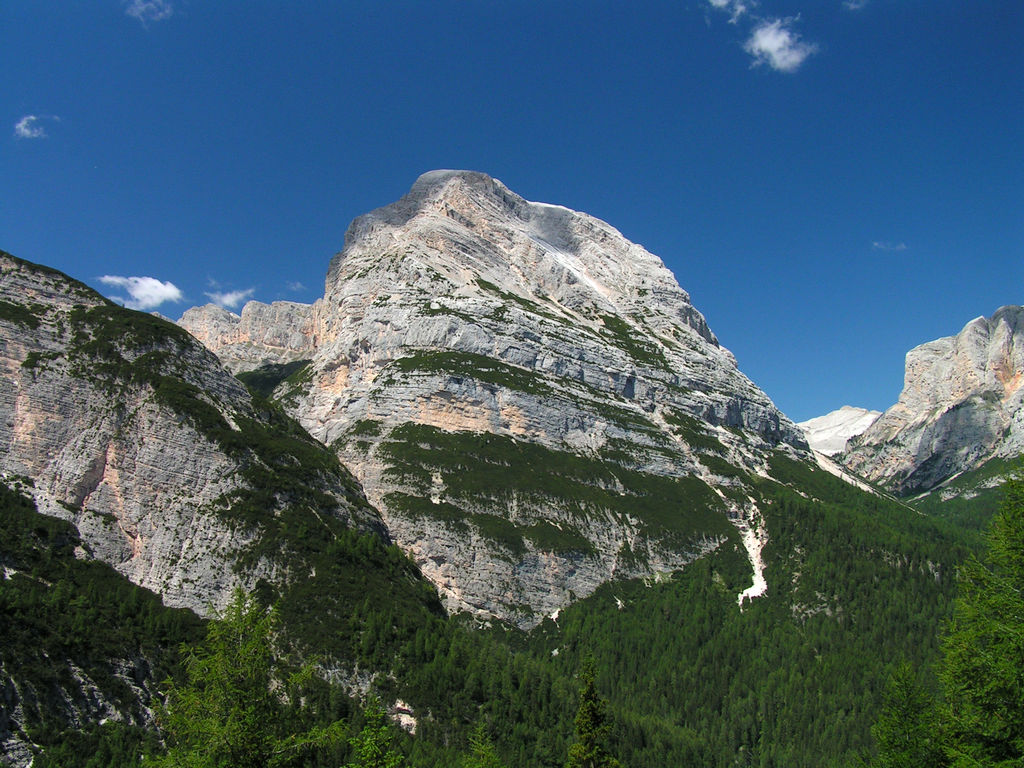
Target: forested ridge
x=858, y=586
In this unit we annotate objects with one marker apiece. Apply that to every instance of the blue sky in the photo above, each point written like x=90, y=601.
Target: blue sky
x=833, y=181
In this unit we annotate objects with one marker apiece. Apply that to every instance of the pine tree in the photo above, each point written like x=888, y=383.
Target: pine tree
x=230, y=712
x=983, y=670
x=481, y=750
x=908, y=732
x=592, y=726
x=372, y=745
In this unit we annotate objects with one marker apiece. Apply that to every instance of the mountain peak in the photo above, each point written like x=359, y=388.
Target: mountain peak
x=829, y=434
x=467, y=226
x=466, y=333
x=441, y=178
x=464, y=327
x=962, y=403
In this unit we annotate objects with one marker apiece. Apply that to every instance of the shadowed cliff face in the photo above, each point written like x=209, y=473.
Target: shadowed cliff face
x=133, y=431
x=962, y=404
x=466, y=333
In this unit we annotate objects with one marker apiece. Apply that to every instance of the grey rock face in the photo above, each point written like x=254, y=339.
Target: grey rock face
x=466, y=310
x=463, y=264
x=961, y=404
x=77, y=703
x=92, y=410
x=280, y=332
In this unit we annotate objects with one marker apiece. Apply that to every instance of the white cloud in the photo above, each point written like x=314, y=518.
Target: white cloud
x=230, y=299
x=30, y=126
x=882, y=245
x=735, y=8
x=149, y=10
x=296, y=286
x=144, y=292
x=854, y=5
x=773, y=42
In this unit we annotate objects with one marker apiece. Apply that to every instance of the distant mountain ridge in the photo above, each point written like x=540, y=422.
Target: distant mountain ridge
x=281, y=332
x=830, y=433
x=464, y=328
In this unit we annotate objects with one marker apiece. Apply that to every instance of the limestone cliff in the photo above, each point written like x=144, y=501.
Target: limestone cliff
x=131, y=430
x=962, y=404
x=280, y=332
x=530, y=399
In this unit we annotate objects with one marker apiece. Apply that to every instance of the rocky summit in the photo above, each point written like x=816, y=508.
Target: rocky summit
x=962, y=404
x=281, y=332
x=530, y=400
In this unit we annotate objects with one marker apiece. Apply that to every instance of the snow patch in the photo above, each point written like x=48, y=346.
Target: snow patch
x=754, y=537
x=829, y=434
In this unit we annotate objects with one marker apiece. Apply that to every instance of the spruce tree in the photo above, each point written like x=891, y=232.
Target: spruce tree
x=481, y=750
x=231, y=711
x=592, y=726
x=983, y=670
x=908, y=732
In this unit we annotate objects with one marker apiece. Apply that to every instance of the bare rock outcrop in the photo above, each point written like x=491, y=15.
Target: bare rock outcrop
x=463, y=311
x=281, y=332
x=962, y=404
x=134, y=432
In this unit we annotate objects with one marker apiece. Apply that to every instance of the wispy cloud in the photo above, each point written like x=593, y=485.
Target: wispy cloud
x=884, y=245
x=229, y=299
x=771, y=41
x=296, y=286
x=31, y=126
x=735, y=8
x=854, y=5
x=775, y=43
x=143, y=292
x=147, y=11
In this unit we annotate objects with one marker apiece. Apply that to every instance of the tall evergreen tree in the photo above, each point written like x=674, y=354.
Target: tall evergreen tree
x=230, y=712
x=908, y=732
x=481, y=750
x=592, y=726
x=983, y=670
x=372, y=745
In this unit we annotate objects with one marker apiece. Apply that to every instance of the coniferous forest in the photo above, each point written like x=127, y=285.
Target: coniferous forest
x=897, y=646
